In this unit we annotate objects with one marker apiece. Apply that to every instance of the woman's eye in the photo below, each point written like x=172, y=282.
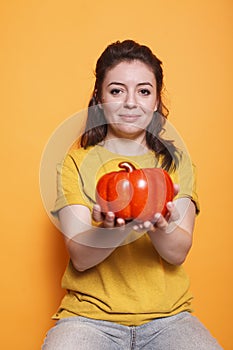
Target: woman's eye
x=115, y=91
x=144, y=92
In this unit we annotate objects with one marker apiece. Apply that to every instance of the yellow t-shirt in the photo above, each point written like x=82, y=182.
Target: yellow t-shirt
x=134, y=284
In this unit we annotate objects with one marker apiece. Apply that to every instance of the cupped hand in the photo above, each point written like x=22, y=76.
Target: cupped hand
x=107, y=220
x=159, y=220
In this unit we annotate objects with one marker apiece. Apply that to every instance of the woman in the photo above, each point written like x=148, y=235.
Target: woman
x=126, y=287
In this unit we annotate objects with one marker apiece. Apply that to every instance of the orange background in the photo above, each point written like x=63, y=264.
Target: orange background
x=48, y=52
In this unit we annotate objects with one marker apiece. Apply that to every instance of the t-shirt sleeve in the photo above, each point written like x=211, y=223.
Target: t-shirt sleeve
x=69, y=185
x=186, y=177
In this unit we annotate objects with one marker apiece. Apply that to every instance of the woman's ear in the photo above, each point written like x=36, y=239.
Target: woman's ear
x=100, y=105
x=156, y=105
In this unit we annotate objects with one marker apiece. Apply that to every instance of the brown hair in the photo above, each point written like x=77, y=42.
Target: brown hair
x=96, y=125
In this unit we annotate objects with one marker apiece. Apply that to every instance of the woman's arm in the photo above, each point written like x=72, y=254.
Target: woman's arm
x=89, y=245
x=172, y=238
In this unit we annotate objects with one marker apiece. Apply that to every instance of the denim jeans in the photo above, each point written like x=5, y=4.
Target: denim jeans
x=179, y=332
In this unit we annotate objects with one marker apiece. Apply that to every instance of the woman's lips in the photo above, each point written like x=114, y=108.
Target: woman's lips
x=130, y=117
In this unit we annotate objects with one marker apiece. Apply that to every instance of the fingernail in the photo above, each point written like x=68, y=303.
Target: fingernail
x=157, y=216
x=120, y=221
x=110, y=216
x=170, y=205
x=147, y=224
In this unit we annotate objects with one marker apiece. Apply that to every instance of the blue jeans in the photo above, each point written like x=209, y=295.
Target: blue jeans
x=179, y=332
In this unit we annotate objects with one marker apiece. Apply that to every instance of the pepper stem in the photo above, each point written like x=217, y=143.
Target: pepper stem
x=127, y=166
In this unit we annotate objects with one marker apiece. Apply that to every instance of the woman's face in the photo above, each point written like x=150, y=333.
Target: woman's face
x=129, y=98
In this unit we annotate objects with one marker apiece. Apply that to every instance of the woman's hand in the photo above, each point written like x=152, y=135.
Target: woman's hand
x=172, y=235
x=159, y=221
x=107, y=220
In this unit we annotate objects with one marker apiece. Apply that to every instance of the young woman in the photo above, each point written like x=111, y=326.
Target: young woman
x=126, y=287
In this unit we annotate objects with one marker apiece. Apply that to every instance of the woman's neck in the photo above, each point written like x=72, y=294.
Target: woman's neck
x=125, y=146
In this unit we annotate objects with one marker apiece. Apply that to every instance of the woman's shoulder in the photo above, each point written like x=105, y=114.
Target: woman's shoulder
x=185, y=162
x=79, y=153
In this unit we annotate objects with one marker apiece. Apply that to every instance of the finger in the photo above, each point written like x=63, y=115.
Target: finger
x=173, y=212
x=160, y=221
x=176, y=189
x=149, y=226
x=96, y=213
x=138, y=226
x=120, y=222
x=109, y=220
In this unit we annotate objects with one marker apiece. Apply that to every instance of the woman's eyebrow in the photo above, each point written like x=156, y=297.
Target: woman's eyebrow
x=121, y=84
x=115, y=83
x=145, y=83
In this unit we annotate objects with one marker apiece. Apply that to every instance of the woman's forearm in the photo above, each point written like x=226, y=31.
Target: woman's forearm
x=173, y=247
x=84, y=257
x=173, y=239
x=89, y=245
x=89, y=248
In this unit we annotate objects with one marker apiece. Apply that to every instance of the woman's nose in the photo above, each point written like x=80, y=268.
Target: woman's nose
x=130, y=100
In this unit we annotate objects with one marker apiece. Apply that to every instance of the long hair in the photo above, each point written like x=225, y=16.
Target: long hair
x=96, y=125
